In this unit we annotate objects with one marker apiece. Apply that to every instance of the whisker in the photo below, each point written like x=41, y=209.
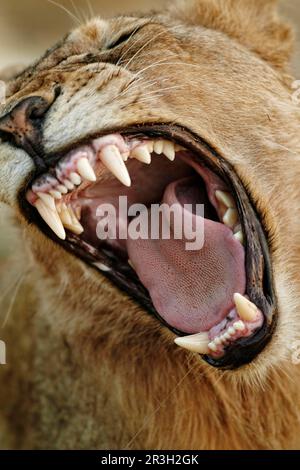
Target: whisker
x=65, y=9
x=13, y=298
x=90, y=9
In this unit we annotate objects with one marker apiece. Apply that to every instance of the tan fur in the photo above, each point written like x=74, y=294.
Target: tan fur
x=88, y=368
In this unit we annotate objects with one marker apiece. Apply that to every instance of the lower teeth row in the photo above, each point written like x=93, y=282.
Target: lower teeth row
x=201, y=343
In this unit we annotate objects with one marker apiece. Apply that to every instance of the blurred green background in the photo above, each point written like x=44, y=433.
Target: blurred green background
x=28, y=27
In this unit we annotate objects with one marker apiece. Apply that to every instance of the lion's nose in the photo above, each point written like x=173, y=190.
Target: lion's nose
x=23, y=124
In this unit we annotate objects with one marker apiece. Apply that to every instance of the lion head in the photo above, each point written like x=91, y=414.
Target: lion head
x=189, y=105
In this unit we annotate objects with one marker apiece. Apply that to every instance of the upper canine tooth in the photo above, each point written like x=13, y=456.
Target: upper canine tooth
x=225, y=198
x=169, y=150
x=51, y=218
x=245, y=309
x=231, y=217
x=86, y=170
x=196, y=343
x=75, y=178
x=158, y=147
x=48, y=200
x=141, y=154
x=112, y=159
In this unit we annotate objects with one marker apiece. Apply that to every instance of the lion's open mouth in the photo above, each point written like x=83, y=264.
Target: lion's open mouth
x=219, y=298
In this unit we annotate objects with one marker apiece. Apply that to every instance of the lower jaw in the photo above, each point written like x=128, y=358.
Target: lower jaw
x=258, y=270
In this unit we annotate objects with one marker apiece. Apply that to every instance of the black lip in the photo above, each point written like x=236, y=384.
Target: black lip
x=260, y=287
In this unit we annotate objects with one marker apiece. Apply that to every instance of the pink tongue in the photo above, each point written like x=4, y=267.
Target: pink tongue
x=191, y=290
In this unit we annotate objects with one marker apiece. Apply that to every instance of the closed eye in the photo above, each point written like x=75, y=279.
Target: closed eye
x=123, y=38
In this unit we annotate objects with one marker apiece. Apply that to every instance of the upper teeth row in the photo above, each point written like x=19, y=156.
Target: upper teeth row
x=201, y=343
x=113, y=153
x=59, y=217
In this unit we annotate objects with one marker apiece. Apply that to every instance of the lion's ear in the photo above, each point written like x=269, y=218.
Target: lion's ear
x=254, y=23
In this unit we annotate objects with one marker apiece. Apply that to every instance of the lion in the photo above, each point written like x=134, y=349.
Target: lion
x=139, y=343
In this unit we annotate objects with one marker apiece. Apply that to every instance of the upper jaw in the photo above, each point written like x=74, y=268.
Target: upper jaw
x=258, y=266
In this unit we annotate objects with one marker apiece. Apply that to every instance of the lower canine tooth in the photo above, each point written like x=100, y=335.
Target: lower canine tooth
x=141, y=154
x=51, y=218
x=169, y=150
x=245, y=309
x=86, y=170
x=112, y=159
x=196, y=343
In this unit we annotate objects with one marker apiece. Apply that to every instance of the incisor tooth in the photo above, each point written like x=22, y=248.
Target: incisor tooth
x=48, y=200
x=225, y=198
x=158, y=147
x=150, y=146
x=111, y=158
x=239, y=325
x=51, y=218
x=213, y=346
x=231, y=330
x=239, y=236
x=141, y=154
x=62, y=189
x=55, y=194
x=69, y=185
x=65, y=215
x=86, y=170
x=245, y=309
x=196, y=343
x=231, y=217
x=75, y=178
x=169, y=150
x=178, y=148
x=70, y=221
